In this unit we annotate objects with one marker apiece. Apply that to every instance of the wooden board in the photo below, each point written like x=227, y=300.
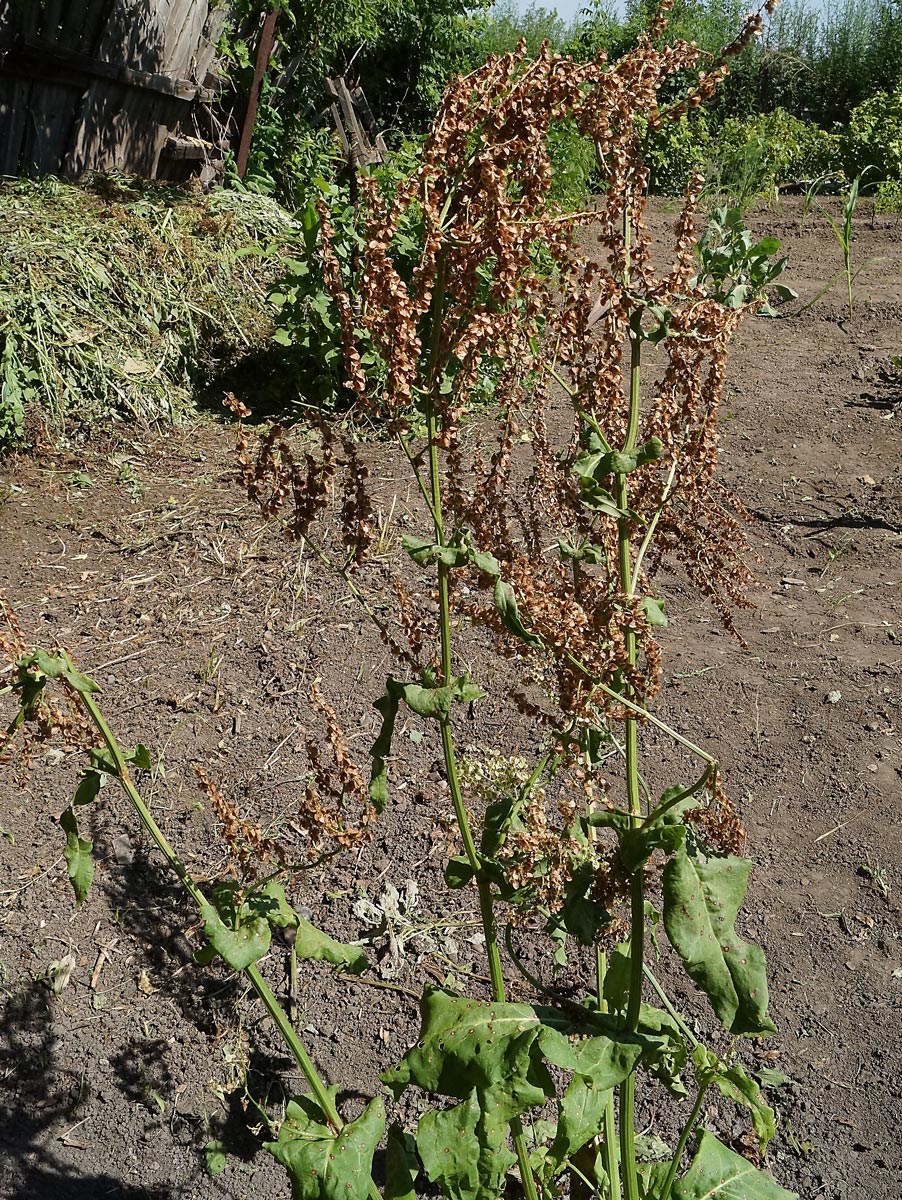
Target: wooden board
x=101, y=84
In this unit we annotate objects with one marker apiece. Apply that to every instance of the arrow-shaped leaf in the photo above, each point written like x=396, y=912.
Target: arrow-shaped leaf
x=323, y=1165
x=717, y=1173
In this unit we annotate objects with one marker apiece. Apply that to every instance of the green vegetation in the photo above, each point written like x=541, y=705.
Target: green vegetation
x=573, y=843
x=817, y=93
x=120, y=299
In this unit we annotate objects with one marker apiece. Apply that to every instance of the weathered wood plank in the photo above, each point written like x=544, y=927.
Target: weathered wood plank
x=100, y=83
x=184, y=31
x=36, y=58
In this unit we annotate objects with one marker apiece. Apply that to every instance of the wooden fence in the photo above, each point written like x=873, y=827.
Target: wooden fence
x=104, y=84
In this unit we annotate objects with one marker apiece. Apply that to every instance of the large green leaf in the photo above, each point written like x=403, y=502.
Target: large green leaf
x=464, y=1150
x=79, y=864
x=603, y=1060
x=401, y=1167
x=323, y=1165
x=599, y=1064
x=580, y=1117
x=701, y=901
x=469, y=1046
x=716, y=1172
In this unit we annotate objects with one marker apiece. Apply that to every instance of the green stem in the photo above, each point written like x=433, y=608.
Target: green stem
x=486, y=909
x=256, y=980
x=665, y=1000
x=609, y=1149
x=634, y=803
x=681, y=1144
x=641, y=712
x=294, y=1044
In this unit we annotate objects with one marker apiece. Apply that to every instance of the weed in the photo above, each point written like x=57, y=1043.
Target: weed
x=128, y=476
x=568, y=837
x=877, y=876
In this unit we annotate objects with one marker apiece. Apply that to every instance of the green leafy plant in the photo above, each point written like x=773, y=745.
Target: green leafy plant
x=751, y=157
x=872, y=141
x=736, y=268
x=307, y=321
x=573, y=840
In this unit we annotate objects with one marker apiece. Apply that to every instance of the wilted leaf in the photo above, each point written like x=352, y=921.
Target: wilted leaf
x=239, y=947
x=733, y=1082
x=269, y=902
x=312, y=943
x=654, y=612
x=701, y=901
x=432, y=702
x=506, y=603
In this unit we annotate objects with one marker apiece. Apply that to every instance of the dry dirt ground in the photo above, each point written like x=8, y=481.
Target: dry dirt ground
x=204, y=629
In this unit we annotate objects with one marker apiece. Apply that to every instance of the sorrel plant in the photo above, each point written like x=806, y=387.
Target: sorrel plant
x=547, y=547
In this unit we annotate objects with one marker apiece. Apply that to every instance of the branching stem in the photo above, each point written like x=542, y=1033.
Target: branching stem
x=484, y=889
x=251, y=973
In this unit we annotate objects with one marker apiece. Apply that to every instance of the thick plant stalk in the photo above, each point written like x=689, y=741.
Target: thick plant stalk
x=486, y=910
x=609, y=1149
x=634, y=802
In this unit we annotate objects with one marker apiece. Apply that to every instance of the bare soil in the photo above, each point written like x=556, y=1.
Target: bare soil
x=204, y=629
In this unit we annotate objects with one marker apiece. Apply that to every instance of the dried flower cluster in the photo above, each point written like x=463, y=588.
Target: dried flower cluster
x=332, y=788
x=46, y=717
x=247, y=845
x=543, y=849
x=552, y=305
x=499, y=269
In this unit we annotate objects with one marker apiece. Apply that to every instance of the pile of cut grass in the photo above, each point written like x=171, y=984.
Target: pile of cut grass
x=122, y=299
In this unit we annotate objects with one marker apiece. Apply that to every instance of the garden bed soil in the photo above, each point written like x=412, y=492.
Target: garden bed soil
x=204, y=629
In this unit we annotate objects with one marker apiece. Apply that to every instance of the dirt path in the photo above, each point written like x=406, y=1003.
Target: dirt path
x=204, y=627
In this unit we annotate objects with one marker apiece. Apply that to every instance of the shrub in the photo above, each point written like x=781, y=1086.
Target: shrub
x=873, y=140
x=752, y=157
x=676, y=151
